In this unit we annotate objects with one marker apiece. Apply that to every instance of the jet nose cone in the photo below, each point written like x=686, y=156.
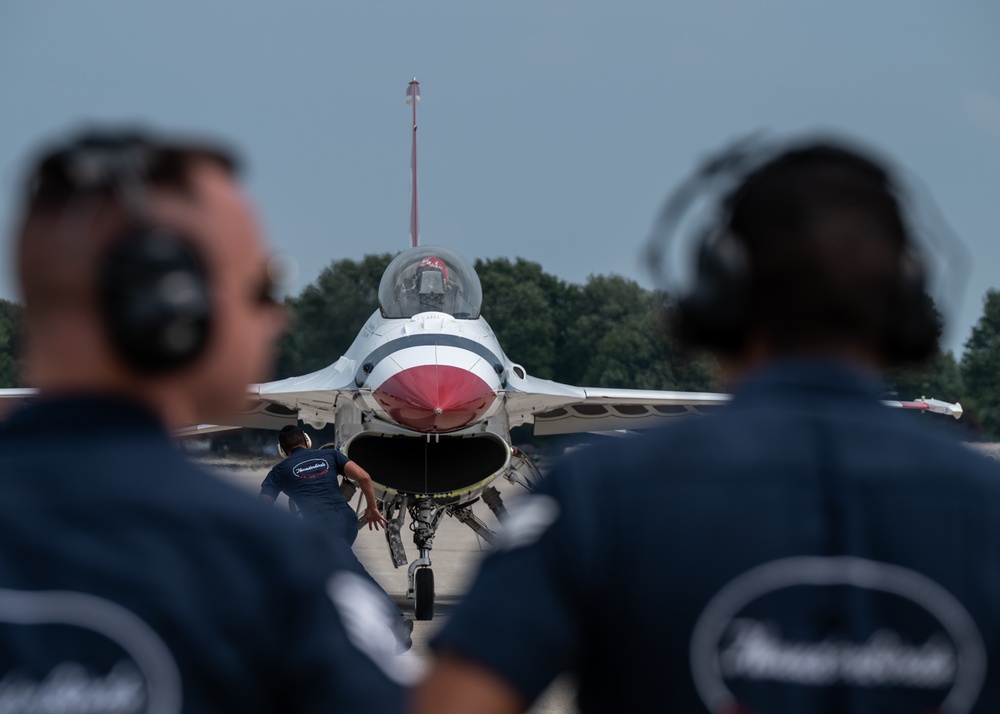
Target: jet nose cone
x=435, y=398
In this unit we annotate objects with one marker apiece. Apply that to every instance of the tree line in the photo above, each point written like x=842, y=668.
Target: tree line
x=602, y=333
x=605, y=332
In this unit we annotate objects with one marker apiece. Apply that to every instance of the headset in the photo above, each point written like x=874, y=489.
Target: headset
x=309, y=445
x=153, y=285
x=714, y=313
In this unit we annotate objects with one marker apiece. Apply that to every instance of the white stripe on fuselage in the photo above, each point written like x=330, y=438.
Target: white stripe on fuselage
x=422, y=355
x=378, y=331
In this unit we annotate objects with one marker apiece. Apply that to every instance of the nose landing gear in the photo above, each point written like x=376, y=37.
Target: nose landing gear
x=423, y=593
x=420, y=578
x=425, y=518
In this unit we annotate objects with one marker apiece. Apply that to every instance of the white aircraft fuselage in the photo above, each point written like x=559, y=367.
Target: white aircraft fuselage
x=430, y=397
x=431, y=373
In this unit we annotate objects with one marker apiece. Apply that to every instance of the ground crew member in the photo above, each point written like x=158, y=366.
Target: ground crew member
x=130, y=579
x=309, y=478
x=806, y=549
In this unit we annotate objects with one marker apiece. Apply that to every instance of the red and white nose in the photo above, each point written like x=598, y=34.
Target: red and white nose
x=433, y=389
x=435, y=398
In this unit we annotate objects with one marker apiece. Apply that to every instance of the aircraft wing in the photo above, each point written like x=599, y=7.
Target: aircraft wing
x=261, y=413
x=934, y=406
x=11, y=399
x=312, y=398
x=556, y=408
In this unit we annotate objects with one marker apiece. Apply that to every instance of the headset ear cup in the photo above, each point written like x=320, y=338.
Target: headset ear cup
x=281, y=451
x=714, y=314
x=915, y=325
x=309, y=442
x=153, y=289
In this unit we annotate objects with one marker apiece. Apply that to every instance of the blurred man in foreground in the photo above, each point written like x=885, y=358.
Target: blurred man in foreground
x=133, y=581
x=805, y=550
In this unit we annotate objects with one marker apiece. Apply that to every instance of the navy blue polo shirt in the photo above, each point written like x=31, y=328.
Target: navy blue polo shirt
x=134, y=581
x=806, y=549
x=308, y=477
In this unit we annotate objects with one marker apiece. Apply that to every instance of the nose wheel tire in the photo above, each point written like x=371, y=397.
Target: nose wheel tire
x=424, y=595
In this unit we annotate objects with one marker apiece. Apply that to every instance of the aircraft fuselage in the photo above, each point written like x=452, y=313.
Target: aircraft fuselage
x=431, y=373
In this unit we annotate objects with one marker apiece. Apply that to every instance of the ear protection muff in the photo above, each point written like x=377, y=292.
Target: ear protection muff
x=153, y=291
x=715, y=312
x=281, y=451
x=915, y=325
x=152, y=282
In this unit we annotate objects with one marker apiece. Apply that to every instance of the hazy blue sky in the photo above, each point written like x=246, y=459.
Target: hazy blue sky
x=549, y=129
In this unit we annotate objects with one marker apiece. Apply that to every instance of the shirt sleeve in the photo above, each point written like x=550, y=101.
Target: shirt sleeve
x=269, y=487
x=525, y=612
x=340, y=460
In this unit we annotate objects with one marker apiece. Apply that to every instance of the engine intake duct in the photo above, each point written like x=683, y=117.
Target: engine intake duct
x=444, y=465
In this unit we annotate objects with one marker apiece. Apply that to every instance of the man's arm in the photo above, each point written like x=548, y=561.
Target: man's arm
x=361, y=477
x=457, y=686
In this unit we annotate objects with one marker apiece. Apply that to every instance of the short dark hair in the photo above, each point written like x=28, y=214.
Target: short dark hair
x=291, y=437
x=73, y=195
x=825, y=238
x=87, y=163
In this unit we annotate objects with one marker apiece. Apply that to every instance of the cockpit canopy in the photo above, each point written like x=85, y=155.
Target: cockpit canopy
x=430, y=279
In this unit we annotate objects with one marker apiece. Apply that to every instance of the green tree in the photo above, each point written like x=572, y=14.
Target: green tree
x=981, y=365
x=604, y=333
x=614, y=338
x=328, y=314
x=525, y=306
x=631, y=354
x=605, y=304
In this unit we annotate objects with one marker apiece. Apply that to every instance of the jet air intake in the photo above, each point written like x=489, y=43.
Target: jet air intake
x=451, y=469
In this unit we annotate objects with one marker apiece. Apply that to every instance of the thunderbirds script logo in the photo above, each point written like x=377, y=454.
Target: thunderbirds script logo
x=767, y=627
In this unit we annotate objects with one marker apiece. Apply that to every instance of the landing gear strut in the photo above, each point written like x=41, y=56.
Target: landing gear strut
x=425, y=517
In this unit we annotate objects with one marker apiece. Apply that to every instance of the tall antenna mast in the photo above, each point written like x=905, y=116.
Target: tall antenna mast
x=413, y=99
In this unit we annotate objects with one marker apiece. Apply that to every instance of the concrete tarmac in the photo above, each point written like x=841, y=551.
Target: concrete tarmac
x=455, y=557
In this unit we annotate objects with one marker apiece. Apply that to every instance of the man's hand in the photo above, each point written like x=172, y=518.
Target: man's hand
x=456, y=686
x=373, y=518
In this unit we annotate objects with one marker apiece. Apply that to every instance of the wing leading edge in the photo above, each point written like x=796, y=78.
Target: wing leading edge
x=556, y=408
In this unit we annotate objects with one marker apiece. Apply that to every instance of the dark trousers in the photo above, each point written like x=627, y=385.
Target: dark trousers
x=341, y=523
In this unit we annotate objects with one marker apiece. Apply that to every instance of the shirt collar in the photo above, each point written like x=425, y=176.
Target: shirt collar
x=801, y=376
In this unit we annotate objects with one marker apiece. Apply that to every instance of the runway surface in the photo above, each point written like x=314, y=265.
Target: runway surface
x=455, y=557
